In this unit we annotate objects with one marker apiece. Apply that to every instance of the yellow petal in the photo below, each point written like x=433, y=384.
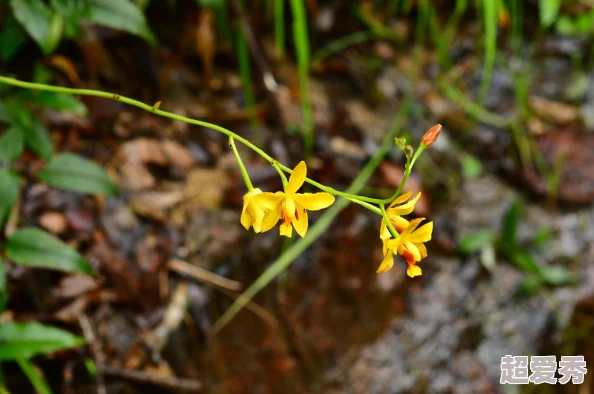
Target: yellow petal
x=386, y=264
x=414, y=270
x=409, y=251
x=404, y=209
x=248, y=216
x=271, y=218
x=422, y=249
x=314, y=201
x=402, y=198
x=412, y=225
x=297, y=178
x=399, y=223
x=257, y=215
x=267, y=200
x=423, y=233
x=286, y=229
x=300, y=221
x=289, y=208
x=384, y=231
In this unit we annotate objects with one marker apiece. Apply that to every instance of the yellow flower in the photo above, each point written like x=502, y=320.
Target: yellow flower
x=252, y=213
x=395, y=214
x=409, y=245
x=291, y=206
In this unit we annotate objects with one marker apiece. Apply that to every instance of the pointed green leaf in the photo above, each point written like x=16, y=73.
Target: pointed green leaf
x=34, y=16
x=38, y=138
x=549, y=10
x=9, y=192
x=475, y=241
x=26, y=340
x=34, y=247
x=12, y=143
x=72, y=172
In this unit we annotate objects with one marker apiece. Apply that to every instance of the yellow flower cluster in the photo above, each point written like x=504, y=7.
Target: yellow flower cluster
x=263, y=210
x=409, y=244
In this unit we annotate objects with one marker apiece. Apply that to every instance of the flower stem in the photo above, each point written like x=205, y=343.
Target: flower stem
x=244, y=173
x=409, y=165
x=388, y=222
x=277, y=166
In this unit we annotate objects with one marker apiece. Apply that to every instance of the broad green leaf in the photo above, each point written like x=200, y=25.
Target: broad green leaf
x=72, y=172
x=12, y=38
x=117, y=14
x=9, y=187
x=38, y=138
x=476, y=240
x=56, y=101
x=26, y=340
x=5, y=114
x=34, y=247
x=34, y=16
x=12, y=144
x=549, y=9
x=510, y=224
x=557, y=276
x=56, y=30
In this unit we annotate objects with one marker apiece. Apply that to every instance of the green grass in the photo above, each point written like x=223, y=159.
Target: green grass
x=489, y=9
x=301, y=39
x=279, y=27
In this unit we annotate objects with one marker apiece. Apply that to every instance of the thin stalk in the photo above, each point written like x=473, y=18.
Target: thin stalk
x=244, y=173
x=300, y=37
x=389, y=222
x=279, y=27
x=34, y=377
x=281, y=174
x=246, y=82
x=490, y=17
x=343, y=43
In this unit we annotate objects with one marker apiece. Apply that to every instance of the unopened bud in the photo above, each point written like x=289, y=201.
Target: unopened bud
x=408, y=151
x=400, y=143
x=431, y=135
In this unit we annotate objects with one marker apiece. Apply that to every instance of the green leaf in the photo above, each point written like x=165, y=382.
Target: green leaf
x=9, y=187
x=31, y=246
x=524, y=261
x=5, y=114
x=3, y=289
x=557, y=276
x=117, y=14
x=56, y=101
x=72, y=172
x=510, y=224
x=471, y=167
x=475, y=241
x=531, y=285
x=38, y=138
x=56, y=30
x=549, y=10
x=12, y=144
x=26, y=340
x=34, y=16
x=12, y=38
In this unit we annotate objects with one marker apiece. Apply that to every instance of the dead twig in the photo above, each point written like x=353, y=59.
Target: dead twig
x=89, y=334
x=167, y=382
x=186, y=268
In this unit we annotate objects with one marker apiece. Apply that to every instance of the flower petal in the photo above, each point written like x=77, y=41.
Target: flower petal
x=423, y=233
x=271, y=218
x=268, y=200
x=386, y=264
x=286, y=229
x=422, y=249
x=404, y=209
x=402, y=198
x=414, y=270
x=314, y=201
x=248, y=214
x=297, y=178
x=300, y=221
x=412, y=225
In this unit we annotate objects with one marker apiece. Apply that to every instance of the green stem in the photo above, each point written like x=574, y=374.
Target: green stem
x=244, y=173
x=149, y=108
x=34, y=377
x=389, y=222
x=276, y=165
x=279, y=27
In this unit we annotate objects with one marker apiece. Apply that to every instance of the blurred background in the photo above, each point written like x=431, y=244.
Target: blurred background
x=509, y=186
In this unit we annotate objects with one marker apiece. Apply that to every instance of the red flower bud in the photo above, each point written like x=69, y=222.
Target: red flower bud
x=431, y=135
